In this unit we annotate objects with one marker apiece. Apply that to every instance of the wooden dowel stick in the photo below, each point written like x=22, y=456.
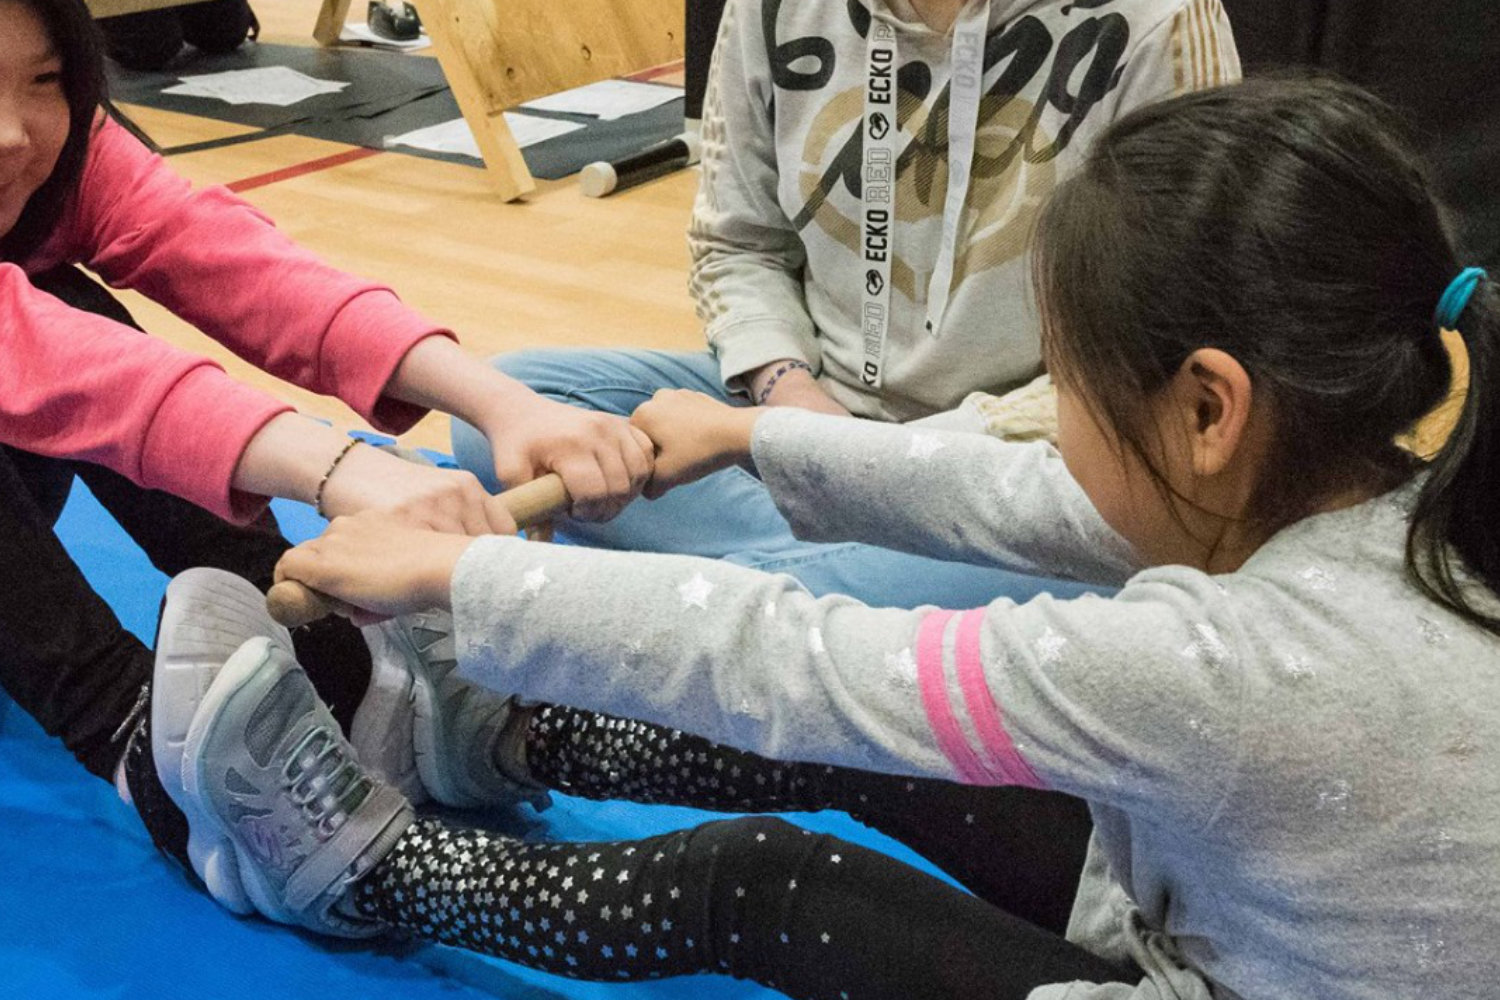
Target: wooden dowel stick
x=532, y=504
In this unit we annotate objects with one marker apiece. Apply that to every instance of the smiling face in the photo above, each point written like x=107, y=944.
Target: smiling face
x=34, y=115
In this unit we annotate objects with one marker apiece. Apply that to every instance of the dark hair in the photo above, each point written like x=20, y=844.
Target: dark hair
x=74, y=36
x=1290, y=224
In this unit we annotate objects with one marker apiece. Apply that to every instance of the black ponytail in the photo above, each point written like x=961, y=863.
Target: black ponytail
x=1456, y=524
x=1290, y=223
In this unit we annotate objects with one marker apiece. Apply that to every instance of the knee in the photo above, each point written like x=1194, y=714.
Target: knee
x=750, y=849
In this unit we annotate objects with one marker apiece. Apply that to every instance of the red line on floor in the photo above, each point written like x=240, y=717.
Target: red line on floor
x=302, y=169
x=656, y=72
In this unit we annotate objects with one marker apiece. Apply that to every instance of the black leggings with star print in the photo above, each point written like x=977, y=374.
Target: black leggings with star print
x=1018, y=849
x=754, y=898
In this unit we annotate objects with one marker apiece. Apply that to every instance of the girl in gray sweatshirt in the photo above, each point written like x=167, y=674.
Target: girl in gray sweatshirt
x=1286, y=721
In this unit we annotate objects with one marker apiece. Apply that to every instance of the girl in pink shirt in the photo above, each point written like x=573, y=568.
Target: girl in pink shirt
x=168, y=442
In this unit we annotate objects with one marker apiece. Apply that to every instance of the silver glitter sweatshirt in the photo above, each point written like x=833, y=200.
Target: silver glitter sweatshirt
x=1293, y=768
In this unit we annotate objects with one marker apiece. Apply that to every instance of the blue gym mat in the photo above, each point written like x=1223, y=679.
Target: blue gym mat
x=88, y=909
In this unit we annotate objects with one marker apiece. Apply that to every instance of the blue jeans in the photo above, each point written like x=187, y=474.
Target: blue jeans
x=730, y=515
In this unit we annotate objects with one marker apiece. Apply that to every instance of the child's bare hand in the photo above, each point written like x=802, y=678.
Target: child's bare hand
x=422, y=496
x=378, y=563
x=694, y=435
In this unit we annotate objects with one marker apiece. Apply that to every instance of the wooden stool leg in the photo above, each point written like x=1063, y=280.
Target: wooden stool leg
x=331, y=21
x=463, y=33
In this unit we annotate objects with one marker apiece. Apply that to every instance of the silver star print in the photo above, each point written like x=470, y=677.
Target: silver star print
x=694, y=593
x=631, y=654
x=1297, y=668
x=1463, y=747
x=901, y=668
x=1334, y=797
x=1403, y=503
x=1049, y=646
x=749, y=709
x=1318, y=579
x=924, y=446
x=534, y=580
x=1432, y=633
x=1437, y=845
x=1428, y=946
x=815, y=641
x=1207, y=646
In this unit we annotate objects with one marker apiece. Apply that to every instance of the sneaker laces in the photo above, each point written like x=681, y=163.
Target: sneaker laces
x=324, y=782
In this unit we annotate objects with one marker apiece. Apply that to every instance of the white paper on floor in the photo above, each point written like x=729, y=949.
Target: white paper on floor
x=455, y=137
x=276, y=85
x=358, y=31
x=607, y=99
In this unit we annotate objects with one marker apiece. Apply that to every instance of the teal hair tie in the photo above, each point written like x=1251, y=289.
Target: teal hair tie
x=1456, y=299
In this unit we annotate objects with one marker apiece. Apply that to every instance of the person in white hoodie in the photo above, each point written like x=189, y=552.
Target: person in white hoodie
x=871, y=172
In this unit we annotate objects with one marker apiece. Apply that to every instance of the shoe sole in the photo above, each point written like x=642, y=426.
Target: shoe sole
x=210, y=841
x=196, y=672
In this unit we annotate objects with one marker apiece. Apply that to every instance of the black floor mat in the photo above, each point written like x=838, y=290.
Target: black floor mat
x=388, y=94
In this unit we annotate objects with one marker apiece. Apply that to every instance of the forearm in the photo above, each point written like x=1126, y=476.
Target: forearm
x=438, y=374
x=288, y=458
x=790, y=382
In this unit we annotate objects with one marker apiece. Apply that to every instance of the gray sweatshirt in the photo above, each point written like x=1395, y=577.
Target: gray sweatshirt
x=1293, y=768
x=778, y=269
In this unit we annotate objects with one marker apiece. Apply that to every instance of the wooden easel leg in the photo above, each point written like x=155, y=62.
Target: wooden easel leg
x=331, y=21
x=462, y=34
x=503, y=163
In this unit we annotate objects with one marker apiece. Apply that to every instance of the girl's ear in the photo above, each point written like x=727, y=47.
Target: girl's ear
x=1212, y=395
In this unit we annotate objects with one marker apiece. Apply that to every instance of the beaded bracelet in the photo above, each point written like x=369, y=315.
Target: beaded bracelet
x=783, y=369
x=323, y=483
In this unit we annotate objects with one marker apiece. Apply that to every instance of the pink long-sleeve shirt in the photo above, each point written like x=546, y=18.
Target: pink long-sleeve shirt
x=77, y=385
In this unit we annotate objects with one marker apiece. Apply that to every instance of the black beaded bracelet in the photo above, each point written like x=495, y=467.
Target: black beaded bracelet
x=783, y=369
x=323, y=483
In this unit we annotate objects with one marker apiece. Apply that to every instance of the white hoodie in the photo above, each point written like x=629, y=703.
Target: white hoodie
x=776, y=235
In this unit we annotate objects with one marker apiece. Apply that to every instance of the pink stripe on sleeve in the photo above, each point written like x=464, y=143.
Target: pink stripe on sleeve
x=1010, y=767
x=932, y=682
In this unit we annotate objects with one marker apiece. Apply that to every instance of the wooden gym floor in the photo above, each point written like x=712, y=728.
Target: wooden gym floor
x=557, y=269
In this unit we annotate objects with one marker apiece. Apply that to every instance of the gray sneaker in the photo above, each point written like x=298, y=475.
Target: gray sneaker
x=208, y=614
x=280, y=798
x=381, y=730
x=468, y=740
